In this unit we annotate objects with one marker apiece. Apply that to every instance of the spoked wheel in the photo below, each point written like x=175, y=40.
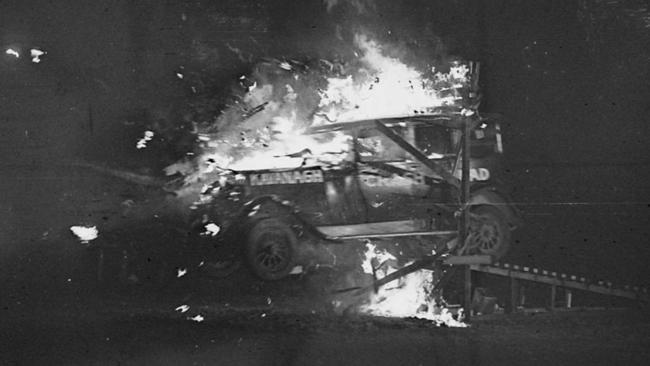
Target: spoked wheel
x=489, y=233
x=270, y=251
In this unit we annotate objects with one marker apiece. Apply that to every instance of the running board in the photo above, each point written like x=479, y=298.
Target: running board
x=389, y=229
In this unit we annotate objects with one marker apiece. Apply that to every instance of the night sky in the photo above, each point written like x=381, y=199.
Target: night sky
x=570, y=77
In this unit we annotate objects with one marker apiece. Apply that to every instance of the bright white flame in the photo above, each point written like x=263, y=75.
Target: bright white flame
x=12, y=52
x=142, y=143
x=36, y=54
x=85, y=233
x=387, y=87
x=408, y=296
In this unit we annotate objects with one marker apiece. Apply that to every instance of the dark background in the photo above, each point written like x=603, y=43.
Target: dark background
x=571, y=78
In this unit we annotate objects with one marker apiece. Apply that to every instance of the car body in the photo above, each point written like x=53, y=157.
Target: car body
x=399, y=178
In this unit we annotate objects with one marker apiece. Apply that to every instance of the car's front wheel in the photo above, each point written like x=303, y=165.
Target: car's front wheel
x=489, y=232
x=271, y=249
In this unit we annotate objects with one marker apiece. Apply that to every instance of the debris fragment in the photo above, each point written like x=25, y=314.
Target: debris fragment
x=142, y=143
x=212, y=229
x=182, y=308
x=198, y=318
x=181, y=272
x=36, y=54
x=12, y=52
x=85, y=233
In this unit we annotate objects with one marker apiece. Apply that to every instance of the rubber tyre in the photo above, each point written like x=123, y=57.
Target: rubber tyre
x=489, y=232
x=271, y=249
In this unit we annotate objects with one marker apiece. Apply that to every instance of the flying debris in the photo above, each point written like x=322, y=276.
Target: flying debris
x=36, y=54
x=11, y=51
x=181, y=272
x=197, y=318
x=142, y=143
x=182, y=308
x=212, y=229
x=85, y=233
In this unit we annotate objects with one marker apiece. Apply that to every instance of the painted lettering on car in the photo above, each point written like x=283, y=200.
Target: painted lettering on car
x=289, y=177
x=476, y=174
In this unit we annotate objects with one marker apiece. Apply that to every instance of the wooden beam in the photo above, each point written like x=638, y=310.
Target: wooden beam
x=467, y=259
x=417, y=154
x=387, y=229
x=553, y=297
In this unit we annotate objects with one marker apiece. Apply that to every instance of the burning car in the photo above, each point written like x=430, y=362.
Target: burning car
x=394, y=178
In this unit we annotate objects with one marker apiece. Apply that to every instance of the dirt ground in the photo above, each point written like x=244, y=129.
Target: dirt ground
x=246, y=322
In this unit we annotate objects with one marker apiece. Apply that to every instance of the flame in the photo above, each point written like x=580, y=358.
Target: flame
x=264, y=126
x=386, y=87
x=409, y=296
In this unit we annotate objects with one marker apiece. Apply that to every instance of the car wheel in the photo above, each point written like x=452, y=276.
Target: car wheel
x=489, y=232
x=270, y=249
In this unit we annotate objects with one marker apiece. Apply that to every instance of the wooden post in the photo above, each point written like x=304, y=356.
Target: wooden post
x=464, y=219
x=553, y=297
x=511, y=306
x=468, y=293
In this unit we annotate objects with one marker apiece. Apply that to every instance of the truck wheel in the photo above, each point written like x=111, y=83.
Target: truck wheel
x=489, y=232
x=270, y=249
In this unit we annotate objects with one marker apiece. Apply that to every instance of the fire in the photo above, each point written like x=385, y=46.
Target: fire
x=409, y=296
x=386, y=87
x=264, y=125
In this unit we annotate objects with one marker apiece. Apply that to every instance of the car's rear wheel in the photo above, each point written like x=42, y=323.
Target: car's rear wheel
x=489, y=232
x=271, y=249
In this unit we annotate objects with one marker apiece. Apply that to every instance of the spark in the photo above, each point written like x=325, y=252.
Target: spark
x=85, y=233
x=12, y=52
